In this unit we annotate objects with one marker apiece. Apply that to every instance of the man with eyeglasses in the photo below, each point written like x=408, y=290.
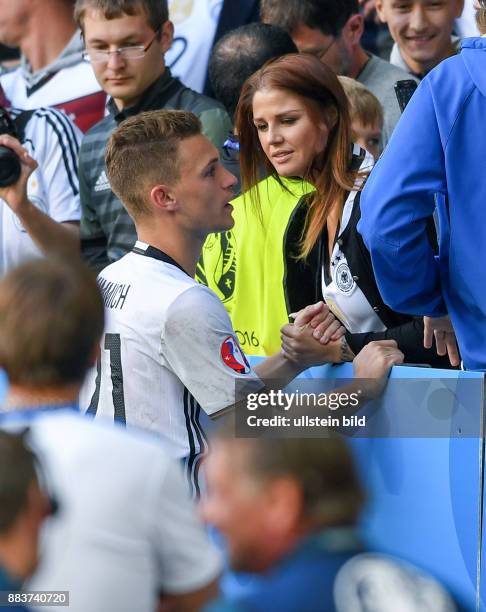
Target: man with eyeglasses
x=332, y=30
x=125, y=43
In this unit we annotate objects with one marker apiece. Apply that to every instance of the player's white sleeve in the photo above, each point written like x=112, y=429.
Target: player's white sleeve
x=54, y=141
x=187, y=559
x=201, y=347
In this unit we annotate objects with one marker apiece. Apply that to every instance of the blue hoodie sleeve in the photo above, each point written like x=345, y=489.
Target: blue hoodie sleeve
x=396, y=201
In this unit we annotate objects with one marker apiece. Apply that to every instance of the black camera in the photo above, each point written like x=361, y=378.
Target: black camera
x=10, y=166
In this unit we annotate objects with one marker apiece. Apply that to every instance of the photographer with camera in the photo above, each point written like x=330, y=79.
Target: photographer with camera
x=39, y=190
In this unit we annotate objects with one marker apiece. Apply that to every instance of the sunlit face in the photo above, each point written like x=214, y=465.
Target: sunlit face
x=331, y=50
x=421, y=28
x=14, y=15
x=126, y=79
x=368, y=137
x=237, y=507
x=204, y=188
x=289, y=133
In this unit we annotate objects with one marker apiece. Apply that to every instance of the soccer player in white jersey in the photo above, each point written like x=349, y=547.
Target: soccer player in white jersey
x=169, y=347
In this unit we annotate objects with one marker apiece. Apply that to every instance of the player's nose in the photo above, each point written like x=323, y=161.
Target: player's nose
x=229, y=179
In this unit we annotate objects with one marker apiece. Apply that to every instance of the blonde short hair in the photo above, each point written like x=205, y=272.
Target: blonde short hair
x=143, y=151
x=363, y=105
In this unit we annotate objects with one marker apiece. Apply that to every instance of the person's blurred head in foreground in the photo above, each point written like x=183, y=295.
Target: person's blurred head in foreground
x=266, y=495
x=51, y=319
x=23, y=507
x=366, y=115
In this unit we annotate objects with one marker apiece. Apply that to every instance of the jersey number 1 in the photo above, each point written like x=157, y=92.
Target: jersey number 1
x=112, y=344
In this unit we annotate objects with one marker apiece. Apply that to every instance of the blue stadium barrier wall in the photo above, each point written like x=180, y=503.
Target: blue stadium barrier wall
x=426, y=492
x=426, y=497
x=3, y=385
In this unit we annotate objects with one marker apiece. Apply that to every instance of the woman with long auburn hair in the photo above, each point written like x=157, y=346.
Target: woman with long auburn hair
x=323, y=99
x=292, y=121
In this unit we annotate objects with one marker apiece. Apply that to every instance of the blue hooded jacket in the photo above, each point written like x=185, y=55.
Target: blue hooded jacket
x=436, y=157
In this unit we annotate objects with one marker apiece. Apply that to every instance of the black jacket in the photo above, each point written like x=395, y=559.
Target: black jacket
x=302, y=285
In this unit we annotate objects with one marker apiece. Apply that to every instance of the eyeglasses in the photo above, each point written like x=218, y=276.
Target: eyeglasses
x=134, y=52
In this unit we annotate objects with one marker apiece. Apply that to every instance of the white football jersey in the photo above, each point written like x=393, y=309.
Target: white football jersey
x=168, y=349
x=53, y=141
x=73, y=89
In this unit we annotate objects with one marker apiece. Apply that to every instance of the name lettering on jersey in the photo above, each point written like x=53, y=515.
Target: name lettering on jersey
x=114, y=294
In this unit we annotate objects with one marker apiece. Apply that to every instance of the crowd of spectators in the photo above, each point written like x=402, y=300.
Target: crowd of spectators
x=183, y=184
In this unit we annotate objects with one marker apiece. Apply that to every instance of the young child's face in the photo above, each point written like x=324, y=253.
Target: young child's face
x=368, y=137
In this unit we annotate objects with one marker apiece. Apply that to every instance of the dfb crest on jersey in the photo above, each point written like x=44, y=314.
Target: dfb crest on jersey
x=233, y=356
x=343, y=278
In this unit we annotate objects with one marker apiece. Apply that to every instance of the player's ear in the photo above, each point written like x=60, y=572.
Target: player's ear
x=163, y=198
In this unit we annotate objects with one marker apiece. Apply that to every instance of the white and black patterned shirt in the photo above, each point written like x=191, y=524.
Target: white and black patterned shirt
x=168, y=349
x=339, y=287
x=68, y=84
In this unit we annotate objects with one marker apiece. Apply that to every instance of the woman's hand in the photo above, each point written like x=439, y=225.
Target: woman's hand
x=324, y=324
x=299, y=346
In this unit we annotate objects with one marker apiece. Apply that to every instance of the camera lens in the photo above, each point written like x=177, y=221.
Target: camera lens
x=9, y=167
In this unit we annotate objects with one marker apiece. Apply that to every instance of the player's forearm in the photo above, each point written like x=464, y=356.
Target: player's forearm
x=277, y=368
x=49, y=235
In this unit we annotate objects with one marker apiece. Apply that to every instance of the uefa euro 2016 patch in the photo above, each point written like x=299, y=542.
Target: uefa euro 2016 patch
x=233, y=357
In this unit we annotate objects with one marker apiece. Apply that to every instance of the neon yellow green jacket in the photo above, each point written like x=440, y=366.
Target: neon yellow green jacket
x=245, y=266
